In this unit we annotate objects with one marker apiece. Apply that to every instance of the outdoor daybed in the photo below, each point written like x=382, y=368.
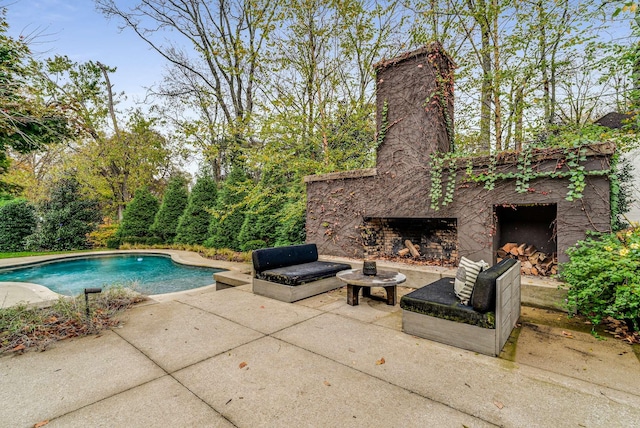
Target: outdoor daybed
x=293, y=272
x=482, y=325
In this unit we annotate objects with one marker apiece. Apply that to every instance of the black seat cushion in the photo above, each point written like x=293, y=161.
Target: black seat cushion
x=302, y=273
x=277, y=257
x=438, y=300
x=483, y=298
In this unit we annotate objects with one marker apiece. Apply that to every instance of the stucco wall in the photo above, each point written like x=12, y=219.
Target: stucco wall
x=336, y=210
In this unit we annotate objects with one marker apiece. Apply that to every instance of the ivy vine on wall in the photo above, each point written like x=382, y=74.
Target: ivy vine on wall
x=568, y=165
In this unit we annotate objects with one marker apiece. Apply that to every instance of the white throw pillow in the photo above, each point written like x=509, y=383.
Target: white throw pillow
x=466, y=278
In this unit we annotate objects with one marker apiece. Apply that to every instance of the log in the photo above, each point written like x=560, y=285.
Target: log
x=404, y=252
x=520, y=250
x=536, y=257
x=530, y=250
x=412, y=248
x=508, y=246
x=546, y=263
x=501, y=253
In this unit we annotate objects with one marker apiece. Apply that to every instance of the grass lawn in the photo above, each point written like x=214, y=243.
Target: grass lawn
x=39, y=253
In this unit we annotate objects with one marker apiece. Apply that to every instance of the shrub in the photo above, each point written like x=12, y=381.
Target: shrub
x=104, y=233
x=17, y=222
x=173, y=204
x=230, y=212
x=113, y=243
x=138, y=216
x=194, y=223
x=67, y=218
x=603, y=274
x=291, y=229
x=256, y=244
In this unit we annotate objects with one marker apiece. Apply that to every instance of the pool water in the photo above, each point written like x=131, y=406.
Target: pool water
x=148, y=274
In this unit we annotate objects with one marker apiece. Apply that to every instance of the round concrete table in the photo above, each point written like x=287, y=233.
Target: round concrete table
x=355, y=280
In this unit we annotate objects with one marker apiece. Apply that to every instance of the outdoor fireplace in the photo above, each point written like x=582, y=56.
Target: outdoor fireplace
x=527, y=233
x=375, y=212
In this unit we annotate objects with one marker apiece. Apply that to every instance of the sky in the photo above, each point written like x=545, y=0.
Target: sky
x=76, y=29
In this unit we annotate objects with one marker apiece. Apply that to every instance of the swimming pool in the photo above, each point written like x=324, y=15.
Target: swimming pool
x=149, y=274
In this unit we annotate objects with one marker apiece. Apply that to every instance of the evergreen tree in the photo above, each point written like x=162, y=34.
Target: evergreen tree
x=229, y=213
x=138, y=217
x=291, y=229
x=193, y=225
x=262, y=219
x=172, y=207
x=67, y=218
x=17, y=221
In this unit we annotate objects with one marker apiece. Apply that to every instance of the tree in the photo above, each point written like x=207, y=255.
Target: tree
x=110, y=160
x=26, y=122
x=17, y=221
x=265, y=202
x=193, y=225
x=173, y=205
x=67, y=218
x=215, y=55
x=229, y=211
x=513, y=59
x=138, y=217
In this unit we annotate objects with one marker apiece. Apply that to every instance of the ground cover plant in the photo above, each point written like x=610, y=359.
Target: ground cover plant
x=25, y=327
x=603, y=275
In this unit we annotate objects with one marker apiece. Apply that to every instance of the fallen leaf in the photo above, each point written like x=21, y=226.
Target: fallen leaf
x=352, y=350
x=498, y=404
x=41, y=424
x=567, y=334
x=261, y=307
x=380, y=361
x=327, y=383
x=242, y=365
x=20, y=347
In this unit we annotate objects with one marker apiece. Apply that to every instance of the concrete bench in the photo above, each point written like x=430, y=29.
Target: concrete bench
x=293, y=272
x=434, y=312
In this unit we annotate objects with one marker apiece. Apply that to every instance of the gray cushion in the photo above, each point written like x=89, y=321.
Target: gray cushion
x=483, y=298
x=302, y=273
x=438, y=300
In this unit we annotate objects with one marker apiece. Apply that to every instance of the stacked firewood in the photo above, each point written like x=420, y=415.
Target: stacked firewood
x=410, y=248
x=533, y=262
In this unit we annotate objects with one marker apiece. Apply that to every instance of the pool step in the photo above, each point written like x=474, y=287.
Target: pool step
x=229, y=278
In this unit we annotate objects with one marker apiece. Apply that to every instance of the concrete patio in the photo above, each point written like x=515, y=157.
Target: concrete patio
x=231, y=358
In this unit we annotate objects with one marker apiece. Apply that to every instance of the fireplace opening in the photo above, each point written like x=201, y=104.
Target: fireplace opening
x=527, y=233
x=429, y=241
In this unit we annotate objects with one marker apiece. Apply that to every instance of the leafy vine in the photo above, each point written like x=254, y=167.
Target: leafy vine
x=436, y=180
x=525, y=172
x=571, y=161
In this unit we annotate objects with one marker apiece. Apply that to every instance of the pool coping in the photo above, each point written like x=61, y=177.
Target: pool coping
x=13, y=293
